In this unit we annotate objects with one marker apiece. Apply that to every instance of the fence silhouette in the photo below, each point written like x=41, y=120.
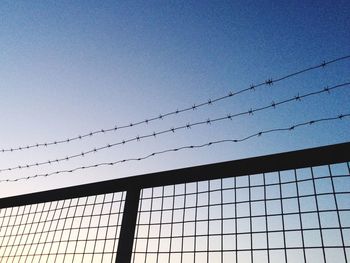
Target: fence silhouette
x=288, y=207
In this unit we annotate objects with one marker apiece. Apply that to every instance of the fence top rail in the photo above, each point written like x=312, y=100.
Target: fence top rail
x=324, y=155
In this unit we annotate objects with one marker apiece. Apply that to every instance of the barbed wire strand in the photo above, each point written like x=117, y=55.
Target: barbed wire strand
x=172, y=130
x=258, y=134
x=268, y=82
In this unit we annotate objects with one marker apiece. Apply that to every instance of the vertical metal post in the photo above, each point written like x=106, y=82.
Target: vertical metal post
x=127, y=231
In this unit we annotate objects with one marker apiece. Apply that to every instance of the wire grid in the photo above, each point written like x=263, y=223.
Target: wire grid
x=84, y=229
x=298, y=215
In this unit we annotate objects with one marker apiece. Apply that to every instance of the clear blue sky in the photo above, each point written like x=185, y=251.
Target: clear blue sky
x=70, y=67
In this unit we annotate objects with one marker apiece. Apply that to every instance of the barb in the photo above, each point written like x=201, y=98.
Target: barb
x=173, y=129
x=257, y=134
x=267, y=82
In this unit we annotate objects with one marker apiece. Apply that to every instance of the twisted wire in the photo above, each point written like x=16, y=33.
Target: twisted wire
x=268, y=82
x=257, y=134
x=187, y=126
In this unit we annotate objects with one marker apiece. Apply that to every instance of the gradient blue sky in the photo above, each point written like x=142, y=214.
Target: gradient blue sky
x=70, y=67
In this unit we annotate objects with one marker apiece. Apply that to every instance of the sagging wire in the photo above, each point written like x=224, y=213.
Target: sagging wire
x=138, y=138
x=257, y=134
x=268, y=82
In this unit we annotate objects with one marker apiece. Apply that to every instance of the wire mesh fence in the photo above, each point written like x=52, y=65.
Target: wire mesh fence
x=290, y=207
x=84, y=229
x=290, y=216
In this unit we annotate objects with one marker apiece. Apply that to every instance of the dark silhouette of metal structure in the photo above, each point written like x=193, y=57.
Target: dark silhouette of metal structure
x=196, y=212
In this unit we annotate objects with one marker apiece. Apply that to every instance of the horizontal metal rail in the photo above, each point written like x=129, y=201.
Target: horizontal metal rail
x=276, y=162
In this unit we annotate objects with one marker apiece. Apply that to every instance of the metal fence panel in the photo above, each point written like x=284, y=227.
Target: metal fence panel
x=289, y=207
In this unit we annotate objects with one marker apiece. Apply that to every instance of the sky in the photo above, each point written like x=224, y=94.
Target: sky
x=71, y=67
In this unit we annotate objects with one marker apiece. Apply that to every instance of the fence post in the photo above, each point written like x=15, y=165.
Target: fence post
x=127, y=231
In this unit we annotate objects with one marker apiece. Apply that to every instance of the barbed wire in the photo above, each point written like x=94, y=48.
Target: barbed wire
x=268, y=82
x=187, y=126
x=258, y=134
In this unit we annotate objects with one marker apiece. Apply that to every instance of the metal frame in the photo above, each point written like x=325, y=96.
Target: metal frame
x=133, y=185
